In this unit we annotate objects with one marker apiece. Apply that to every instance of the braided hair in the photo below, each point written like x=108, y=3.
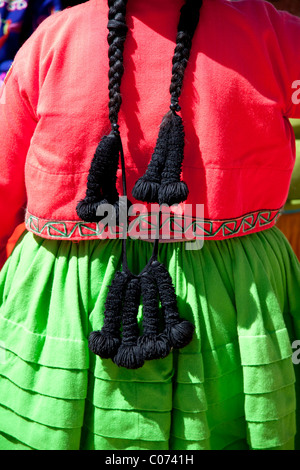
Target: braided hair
x=162, y=184
x=161, y=181
x=101, y=184
x=116, y=37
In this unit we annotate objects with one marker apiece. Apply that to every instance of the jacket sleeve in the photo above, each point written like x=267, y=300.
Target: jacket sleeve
x=17, y=125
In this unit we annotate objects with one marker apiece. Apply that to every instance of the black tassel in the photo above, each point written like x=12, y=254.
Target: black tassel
x=101, y=184
x=179, y=331
x=172, y=190
x=129, y=353
x=154, y=345
x=147, y=187
x=106, y=342
x=161, y=182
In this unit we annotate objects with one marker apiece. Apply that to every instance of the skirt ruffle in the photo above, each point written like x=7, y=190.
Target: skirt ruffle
x=232, y=387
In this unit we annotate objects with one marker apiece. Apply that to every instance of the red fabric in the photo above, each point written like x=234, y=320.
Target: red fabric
x=236, y=101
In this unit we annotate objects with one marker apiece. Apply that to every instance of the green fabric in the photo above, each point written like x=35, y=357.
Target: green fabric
x=233, y=387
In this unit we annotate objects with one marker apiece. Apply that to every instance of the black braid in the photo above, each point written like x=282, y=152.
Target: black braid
x=161, y=182
x=101, y=184
x=129, y=354
x=189, y=18
x=116, y=38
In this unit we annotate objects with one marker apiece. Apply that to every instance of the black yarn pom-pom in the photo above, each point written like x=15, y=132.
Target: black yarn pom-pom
x=146, y=190
x=101, y=183
x=154, y=346
x=91, y=210
x=146, y=187
x=161, y=183
x=180, y=334
x=178, y=331
x=129, y=356
x=172, y=190
x=103, y=345
x=172, y=193
x=88, y=207
x=105, y=342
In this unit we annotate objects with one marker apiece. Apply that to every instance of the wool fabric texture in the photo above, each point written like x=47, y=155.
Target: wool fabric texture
x=46, y=172
x=232, y=387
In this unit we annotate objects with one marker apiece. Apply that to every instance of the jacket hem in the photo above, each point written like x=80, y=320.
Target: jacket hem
x=173, y=227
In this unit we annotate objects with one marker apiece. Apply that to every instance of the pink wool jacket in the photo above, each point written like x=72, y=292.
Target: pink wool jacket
x=240, y=87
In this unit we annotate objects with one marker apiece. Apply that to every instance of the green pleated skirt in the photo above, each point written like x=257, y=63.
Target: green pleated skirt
x=233, y=387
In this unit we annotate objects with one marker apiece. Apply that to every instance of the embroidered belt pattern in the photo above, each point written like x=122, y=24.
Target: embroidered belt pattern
x=142, y=225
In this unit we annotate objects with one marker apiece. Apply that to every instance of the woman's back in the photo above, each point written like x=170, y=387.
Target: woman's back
x=236, y=98
x=232, y=385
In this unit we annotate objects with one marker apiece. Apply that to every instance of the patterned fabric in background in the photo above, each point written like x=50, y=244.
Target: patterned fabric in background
x=18, y=20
